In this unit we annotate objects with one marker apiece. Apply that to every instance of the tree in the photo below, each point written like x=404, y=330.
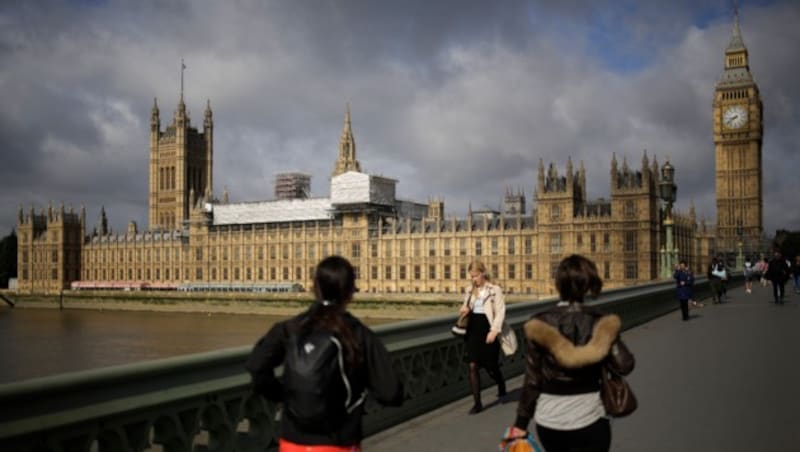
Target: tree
x=8, y=258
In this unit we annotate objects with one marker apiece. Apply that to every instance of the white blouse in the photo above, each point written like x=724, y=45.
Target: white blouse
x=478, y=303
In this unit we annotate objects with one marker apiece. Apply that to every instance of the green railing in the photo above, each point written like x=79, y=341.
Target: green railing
x=203, y=402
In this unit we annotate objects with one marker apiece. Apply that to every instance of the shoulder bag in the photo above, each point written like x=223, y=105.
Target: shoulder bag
x=508, y=340
x=616, y=394
x=459, y=329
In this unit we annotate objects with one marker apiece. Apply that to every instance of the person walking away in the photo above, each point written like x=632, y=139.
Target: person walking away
x=749, y=270
x=778, y=272
x=567, y=348
x=715, y=281
x=330, y=360
x=683, y=282
x=722, y=269
x=796, y=273
x=764, y=269
x=485, y=305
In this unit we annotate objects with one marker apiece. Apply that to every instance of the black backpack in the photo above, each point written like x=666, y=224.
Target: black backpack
x=318, y=392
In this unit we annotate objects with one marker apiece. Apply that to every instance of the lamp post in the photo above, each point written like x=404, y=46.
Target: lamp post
x=740, y=255
x=667, y=191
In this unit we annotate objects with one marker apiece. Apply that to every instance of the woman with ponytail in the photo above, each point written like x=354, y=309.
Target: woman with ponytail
x=366, y=367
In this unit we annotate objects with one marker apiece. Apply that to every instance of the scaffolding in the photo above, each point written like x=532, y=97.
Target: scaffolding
x=293, y=185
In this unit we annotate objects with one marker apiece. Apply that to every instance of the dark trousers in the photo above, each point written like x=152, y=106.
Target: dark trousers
x=716, y=289
x=778, y=291
x=593, y=438
x=684, y=308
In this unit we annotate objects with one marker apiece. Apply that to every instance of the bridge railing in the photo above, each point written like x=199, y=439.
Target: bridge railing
x=203, y=402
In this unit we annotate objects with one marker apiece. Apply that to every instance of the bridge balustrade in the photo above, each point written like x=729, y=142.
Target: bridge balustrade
x=203, y=402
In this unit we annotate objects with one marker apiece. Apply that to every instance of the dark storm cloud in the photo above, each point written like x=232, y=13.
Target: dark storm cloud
x=454, y=99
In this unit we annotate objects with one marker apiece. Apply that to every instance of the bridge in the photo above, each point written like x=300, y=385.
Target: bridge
x=726, y=380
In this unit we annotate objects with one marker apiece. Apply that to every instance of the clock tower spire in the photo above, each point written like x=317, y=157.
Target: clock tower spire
x=738, y=131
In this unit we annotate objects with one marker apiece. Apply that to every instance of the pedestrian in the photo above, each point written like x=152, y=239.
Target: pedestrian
x=692, y=301
x=764, y=269
x=485, y=305
x=330, y=360
x=778, y=273
x=749, y=271
x=715, y=280
x=568, y=346
x=683, y=282
x=722, y=270
x=796, y=273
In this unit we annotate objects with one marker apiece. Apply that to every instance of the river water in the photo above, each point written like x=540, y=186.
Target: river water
x=41, y=342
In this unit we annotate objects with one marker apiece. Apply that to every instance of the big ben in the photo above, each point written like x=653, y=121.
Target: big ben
x=738, y=131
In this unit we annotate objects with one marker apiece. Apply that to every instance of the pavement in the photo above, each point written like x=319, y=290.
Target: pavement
x=727, y=380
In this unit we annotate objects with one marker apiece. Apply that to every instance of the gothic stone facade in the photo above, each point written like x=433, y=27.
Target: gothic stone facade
x=395, y=248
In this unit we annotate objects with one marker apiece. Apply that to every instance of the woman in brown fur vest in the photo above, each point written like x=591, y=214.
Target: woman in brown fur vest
x=567, y=347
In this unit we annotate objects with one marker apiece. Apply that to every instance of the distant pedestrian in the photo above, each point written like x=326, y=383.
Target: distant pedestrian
x=715, y=280
x=796, y=273
x=764, y=268
x=486, y=307
x=778, y=273
x=568, y=347
x=723, y=270
x=683, y=282
x=749, y=272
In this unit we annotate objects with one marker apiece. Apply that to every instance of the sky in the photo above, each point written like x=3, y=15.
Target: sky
x=457, y=100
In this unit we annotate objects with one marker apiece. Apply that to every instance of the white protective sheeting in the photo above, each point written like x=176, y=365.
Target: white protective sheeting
x=353, y=188
x=273, y=211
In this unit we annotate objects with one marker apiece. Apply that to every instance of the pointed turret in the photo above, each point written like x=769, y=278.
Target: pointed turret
x=20, y=217
x=614, y=172
x=737, y=66
x=570, y=175
x=582, y=181
x=347, y=148
x=736, y=43
x=155, y=119
x=540, y=178
x=102, y=222
x=208, y=136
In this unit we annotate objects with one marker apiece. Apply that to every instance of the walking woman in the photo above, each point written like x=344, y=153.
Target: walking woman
x=330, y=360
x=486, y=307
x=684, y=280
x=567, y=348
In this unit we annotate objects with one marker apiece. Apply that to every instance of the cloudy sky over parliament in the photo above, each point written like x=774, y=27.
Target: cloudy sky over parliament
x=456, y=99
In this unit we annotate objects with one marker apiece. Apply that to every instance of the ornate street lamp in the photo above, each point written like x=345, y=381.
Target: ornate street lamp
x=668, y=191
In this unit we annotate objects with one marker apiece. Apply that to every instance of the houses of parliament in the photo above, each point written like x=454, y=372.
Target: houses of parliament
x=398, y=246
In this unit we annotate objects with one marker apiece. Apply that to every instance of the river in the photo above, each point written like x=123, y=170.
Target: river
x=41, y=342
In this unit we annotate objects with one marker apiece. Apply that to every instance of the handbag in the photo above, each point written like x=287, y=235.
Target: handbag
x=510, y=443
x=508, y=340
x=616, y=394
x=459, y=329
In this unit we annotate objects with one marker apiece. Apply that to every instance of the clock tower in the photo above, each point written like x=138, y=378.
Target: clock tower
x=738, y=131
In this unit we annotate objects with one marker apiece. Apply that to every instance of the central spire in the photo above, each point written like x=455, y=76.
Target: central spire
x=736, y=42
x=347, y=148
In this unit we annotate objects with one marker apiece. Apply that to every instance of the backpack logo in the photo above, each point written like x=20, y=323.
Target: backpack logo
x=318, y=392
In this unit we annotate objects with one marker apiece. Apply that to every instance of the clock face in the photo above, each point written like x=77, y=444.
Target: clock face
x=734, y=117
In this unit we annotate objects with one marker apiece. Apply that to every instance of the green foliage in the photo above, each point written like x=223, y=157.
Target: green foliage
x=8, y=258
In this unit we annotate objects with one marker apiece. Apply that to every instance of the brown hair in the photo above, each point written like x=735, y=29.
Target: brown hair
x=577, y=275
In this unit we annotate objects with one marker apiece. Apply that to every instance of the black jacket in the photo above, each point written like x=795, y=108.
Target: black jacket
x=375, y=374
x=567, y=347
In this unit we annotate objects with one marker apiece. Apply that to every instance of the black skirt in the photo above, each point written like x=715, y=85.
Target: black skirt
x=476, y=349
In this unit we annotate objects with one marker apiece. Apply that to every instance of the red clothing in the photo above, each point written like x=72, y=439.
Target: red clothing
x=288, y=446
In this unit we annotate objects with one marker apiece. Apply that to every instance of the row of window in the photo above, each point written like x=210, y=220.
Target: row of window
x=415, y=272
x=298, y=250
